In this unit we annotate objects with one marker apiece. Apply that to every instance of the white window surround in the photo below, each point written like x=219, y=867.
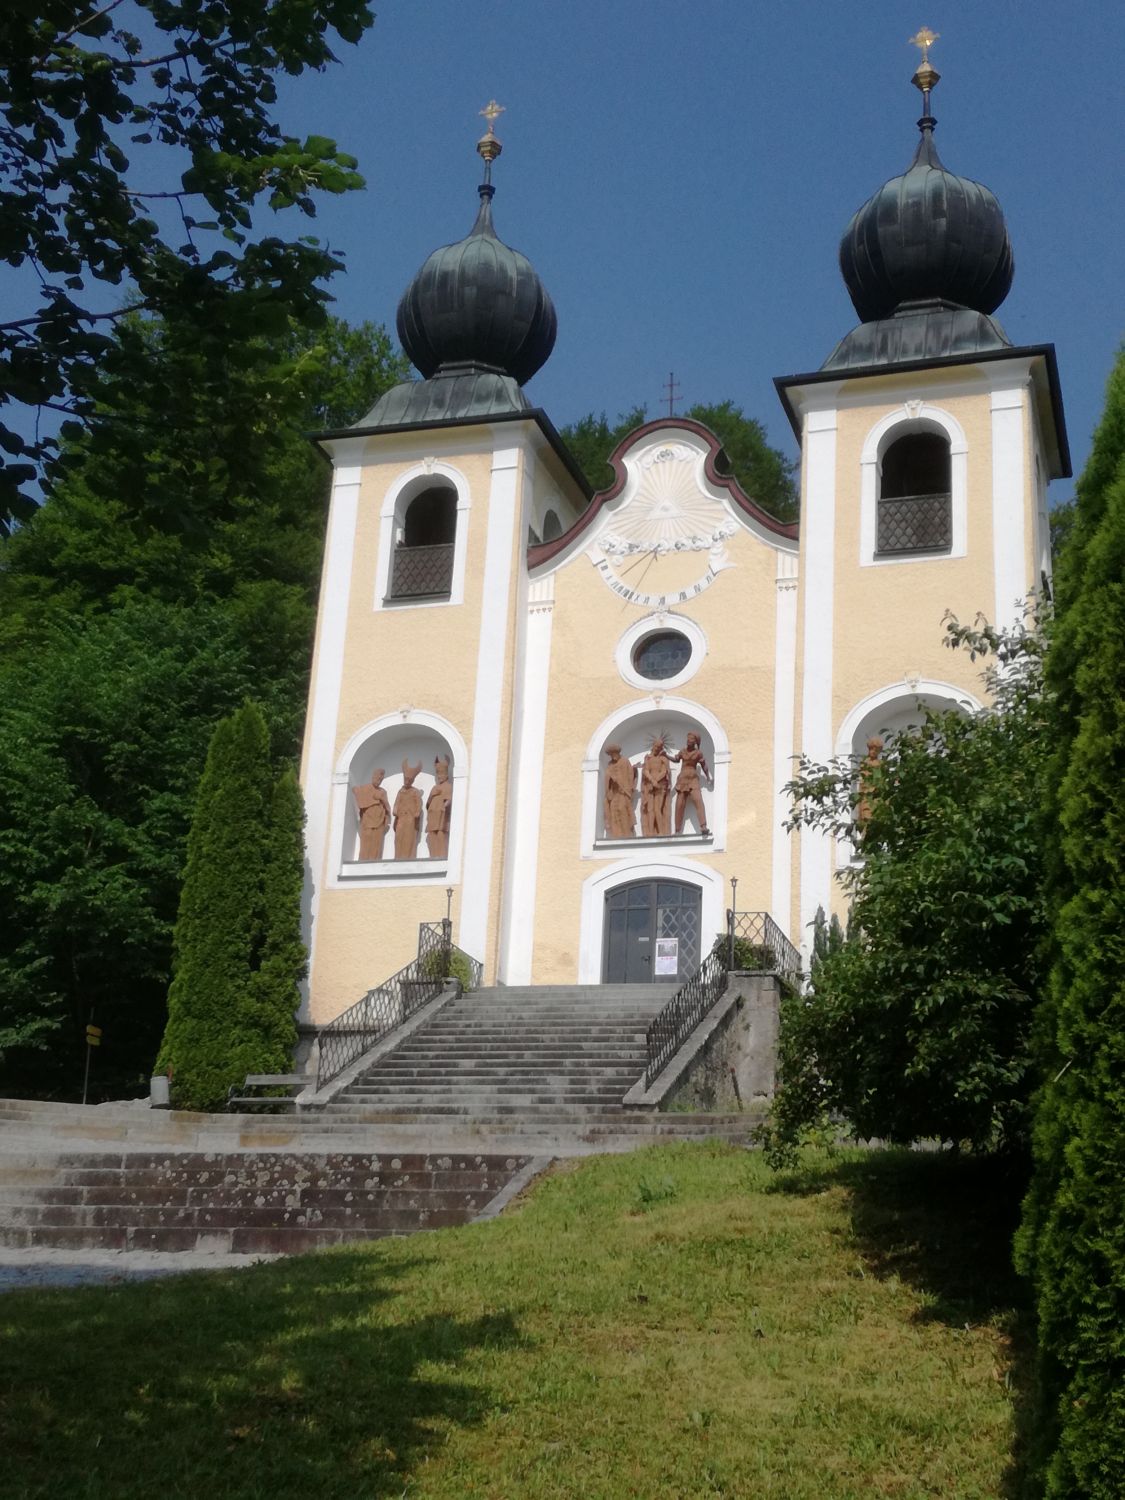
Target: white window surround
x=651, y=625
x=864, y=719
x=421, y=477
x=719, y=792
x=664, y=867
x=913, y=416
x=411, y=872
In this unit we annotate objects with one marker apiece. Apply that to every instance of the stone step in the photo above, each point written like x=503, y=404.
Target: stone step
x=363, y=1212
x=466, y=1098
x=594, y=992
x=254, y=1201
x=100, y=1187
x=476, y=1053
x=528, y=1037
x=246, y=1239
x=453, y=1077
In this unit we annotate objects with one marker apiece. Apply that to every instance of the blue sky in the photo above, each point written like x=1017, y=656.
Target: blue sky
x=680, y=175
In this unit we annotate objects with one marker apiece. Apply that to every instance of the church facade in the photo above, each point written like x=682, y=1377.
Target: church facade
x=573, y=716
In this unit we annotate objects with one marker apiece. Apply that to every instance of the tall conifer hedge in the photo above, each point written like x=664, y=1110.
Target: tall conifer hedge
x=1072, y=1242
x=237, y=947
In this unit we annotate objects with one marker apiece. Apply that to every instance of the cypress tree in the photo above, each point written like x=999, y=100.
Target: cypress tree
x=1072, y=1242
x=227, y=1004
x=283, y=960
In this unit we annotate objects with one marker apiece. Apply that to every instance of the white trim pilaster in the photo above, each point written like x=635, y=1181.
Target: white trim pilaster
x=784, y=703
x=818, y=527
x=324, y=695
x=480, y=832
x=1008, y=490
x=525, y=797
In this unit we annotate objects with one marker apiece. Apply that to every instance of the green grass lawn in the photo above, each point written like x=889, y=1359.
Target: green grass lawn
x=675, y=1322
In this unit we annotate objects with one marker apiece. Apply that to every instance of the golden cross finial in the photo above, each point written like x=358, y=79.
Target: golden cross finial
x=491, y=112
x=924, y=39
x=488, y=146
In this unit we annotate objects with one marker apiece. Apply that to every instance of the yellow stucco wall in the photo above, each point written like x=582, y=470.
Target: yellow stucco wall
x=737, y=613
x=887, y=629
x=887, y=618
x=423, y=657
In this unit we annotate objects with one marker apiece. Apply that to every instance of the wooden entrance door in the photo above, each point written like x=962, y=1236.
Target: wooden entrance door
x=640, y=913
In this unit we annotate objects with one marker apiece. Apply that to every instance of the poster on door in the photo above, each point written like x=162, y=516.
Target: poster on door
x=667, y=957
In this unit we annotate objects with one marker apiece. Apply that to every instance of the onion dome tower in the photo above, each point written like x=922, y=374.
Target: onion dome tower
x=476, y=321
x=926, y=260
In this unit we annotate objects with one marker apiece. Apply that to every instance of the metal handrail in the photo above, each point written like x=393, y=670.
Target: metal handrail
x=757, y=943
x=357, y=1029
x=753, y=941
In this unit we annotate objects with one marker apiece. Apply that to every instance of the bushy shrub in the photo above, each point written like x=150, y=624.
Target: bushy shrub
x=918, y=1024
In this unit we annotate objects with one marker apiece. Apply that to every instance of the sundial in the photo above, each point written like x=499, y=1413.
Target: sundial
x=669, y=541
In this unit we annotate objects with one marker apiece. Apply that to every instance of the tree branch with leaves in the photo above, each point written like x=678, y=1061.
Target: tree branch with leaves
x=96, y=100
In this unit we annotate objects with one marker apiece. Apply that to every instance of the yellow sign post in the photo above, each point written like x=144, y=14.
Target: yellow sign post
x=93, y=1039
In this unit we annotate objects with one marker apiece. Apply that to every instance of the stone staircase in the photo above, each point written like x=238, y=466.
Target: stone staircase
x=440, y=1129
x=540, y=1070
x=513, y=1052
x=275, y=1202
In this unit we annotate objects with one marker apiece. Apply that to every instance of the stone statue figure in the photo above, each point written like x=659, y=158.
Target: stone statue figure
x=439, y=805
x=656, y=784
x=374, y=810
x=620, y=784
x=870, y=761
x=692, y=765
x=408, y=814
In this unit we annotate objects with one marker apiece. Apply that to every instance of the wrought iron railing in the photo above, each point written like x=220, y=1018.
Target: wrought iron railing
x=345, y=1040
x=421, y=572
x=459, y=964
x=914, y=523
x=753, y=940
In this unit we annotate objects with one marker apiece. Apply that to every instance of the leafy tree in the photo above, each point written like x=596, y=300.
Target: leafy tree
x=169, y=576
x=592, y=439
x=136, y=137
x=237, y=959
x=195, y=474
x=918, y=1024
x=103, y=734
x=765, y=474
x=1072, y=1241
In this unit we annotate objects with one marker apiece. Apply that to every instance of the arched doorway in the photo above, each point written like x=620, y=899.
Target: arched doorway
x=651, y=932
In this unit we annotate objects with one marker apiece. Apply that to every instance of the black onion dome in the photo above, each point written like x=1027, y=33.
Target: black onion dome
x=927, y=235
x=478, y=304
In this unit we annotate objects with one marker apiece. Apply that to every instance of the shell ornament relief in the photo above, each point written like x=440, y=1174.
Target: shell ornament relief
x=669, y=511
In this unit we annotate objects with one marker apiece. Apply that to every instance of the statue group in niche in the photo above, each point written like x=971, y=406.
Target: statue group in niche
x=657, y=791
x=376, y=815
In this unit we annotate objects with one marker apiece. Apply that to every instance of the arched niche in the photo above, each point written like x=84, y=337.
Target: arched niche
x=884, y=714
x=902, y=705
x=416, y=740
x=634, y=728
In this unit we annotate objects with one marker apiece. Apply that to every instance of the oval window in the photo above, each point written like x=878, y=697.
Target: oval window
x=663, y=654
